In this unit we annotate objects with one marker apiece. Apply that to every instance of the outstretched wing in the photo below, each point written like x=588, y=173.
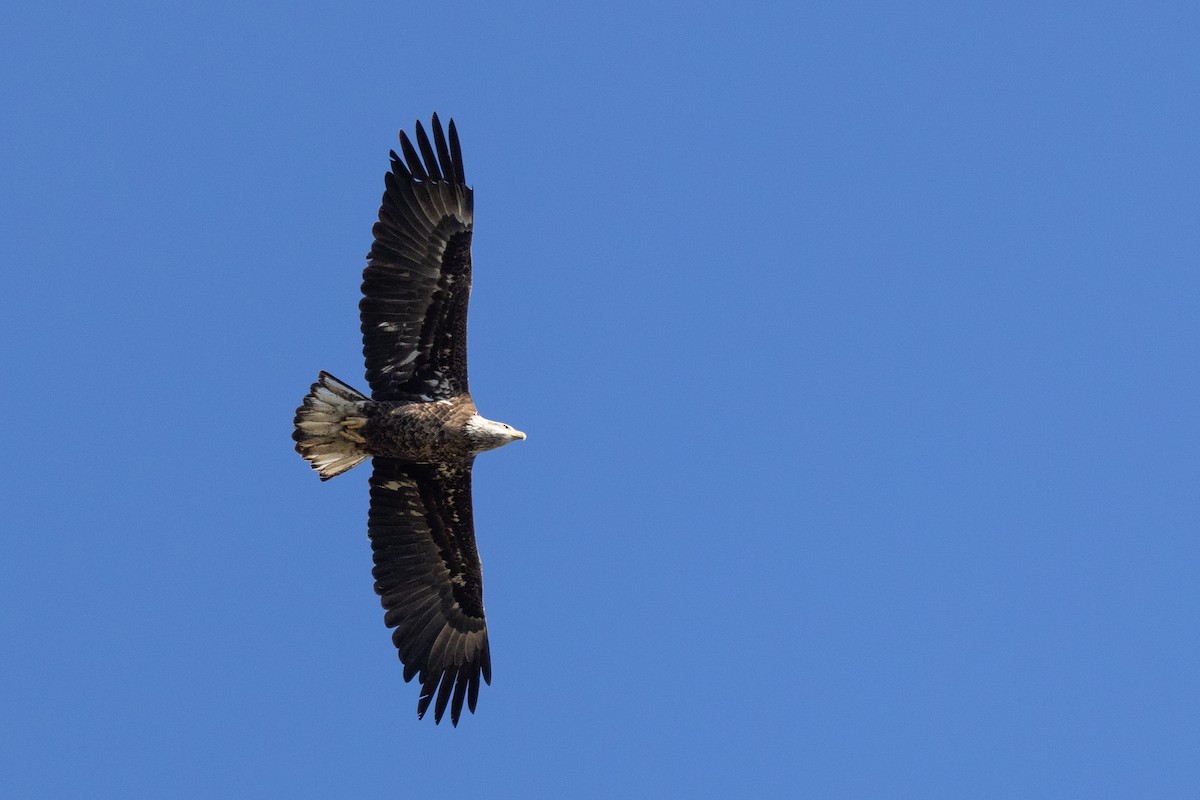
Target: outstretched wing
x=418, y=276
x=428, y=576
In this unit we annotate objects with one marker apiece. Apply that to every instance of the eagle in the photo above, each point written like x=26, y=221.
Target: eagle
x=419, y=425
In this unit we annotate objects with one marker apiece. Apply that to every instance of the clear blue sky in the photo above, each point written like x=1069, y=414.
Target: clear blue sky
x=857, y=345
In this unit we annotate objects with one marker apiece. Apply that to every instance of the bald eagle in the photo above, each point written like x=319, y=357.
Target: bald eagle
x=419, y=426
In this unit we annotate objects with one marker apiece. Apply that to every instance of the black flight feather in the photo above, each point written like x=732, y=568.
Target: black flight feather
x=456, y=156
x=431, y=162
x=410, y=155
x=439, y=139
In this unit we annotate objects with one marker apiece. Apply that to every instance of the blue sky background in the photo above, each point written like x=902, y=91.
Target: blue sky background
x=857, y=345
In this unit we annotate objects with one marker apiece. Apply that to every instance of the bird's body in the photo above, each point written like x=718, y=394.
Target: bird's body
x=423, y=433
x=419, y=426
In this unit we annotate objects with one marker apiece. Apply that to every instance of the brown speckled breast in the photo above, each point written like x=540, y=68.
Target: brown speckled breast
x=419, y=432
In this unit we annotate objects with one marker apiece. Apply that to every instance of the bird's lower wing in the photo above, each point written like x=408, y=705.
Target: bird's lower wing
x=429, y=579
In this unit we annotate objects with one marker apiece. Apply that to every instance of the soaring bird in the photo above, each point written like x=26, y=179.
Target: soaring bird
x=419, y=427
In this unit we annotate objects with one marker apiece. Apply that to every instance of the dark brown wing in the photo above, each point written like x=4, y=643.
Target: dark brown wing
x=428, y=576
x=418, y=276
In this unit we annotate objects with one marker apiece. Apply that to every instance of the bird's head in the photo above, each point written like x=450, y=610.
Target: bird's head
x=485, y=434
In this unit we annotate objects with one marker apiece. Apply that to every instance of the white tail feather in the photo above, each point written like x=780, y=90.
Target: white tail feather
x=327, y=427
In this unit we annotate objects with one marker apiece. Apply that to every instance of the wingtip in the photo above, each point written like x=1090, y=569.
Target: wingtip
x=456, y=154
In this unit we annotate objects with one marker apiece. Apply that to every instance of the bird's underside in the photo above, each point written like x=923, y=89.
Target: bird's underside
x=419, y=425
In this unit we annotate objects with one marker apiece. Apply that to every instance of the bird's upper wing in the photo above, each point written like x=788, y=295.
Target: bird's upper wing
x=429, y=579
x=418, y=276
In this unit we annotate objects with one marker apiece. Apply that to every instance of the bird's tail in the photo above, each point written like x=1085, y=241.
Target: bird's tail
x=328, y=425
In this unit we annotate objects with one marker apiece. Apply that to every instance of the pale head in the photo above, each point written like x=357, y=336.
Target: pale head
x=484, y=434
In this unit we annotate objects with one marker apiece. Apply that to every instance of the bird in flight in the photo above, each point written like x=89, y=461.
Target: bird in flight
x=419, y=426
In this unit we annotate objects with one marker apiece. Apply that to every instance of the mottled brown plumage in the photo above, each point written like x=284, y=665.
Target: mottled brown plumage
x=426, y=433
x=419, y=425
